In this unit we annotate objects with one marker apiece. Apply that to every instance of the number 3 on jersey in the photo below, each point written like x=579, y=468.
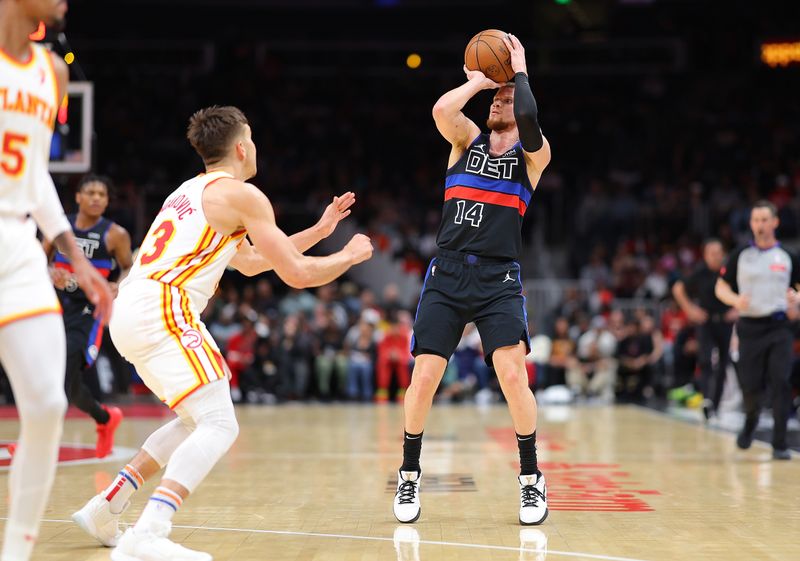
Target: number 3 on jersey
x=161, y=237
x=474, y=214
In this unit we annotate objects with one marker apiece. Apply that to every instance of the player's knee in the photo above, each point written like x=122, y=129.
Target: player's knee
x=224, y=425
x=512, y=377
x=232, y=429
x=47, y=410
x=425, y=380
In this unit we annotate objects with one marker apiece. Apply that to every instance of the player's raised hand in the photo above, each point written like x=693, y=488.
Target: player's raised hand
x=480, y=77
x=517, y=53
x=95, y=287
x=360, y=248
x=335, y=212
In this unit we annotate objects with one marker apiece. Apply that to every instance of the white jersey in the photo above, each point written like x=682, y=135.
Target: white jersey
x=28, y=109
x=181, y=249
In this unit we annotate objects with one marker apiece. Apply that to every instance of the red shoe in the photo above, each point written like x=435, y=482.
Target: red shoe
x=105, y=433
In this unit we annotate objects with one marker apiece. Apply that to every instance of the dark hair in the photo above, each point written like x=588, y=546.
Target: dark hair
x=211, y=131
x=95, y=178
x=763, y=203
x=709, y=241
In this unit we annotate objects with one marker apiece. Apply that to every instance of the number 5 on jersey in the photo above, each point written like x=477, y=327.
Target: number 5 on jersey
x=474, y=214
x=12, y=159
x=161, y=237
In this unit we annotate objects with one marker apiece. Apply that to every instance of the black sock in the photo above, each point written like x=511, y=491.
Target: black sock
x=100, y=415
x=527, y=454
x=412, y=445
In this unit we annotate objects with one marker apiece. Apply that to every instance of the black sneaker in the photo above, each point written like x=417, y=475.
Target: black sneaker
x=778, y=454
x=744, y=440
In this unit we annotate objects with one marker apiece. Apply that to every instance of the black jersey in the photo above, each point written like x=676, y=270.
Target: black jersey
x=485, y=200
x=93, y=244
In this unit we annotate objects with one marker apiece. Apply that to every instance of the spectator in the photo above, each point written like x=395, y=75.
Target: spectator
x=638, y=353
x=330, y=361
x=394, y=356
x=361, y=354
x=294, y=357
x=239, y=354
x=561, y=355
x=593, y=373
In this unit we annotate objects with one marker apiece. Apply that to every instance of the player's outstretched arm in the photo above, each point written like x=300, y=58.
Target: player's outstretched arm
x=294, y=268
x=250, y=262
x=453, y=125
x=334, y=213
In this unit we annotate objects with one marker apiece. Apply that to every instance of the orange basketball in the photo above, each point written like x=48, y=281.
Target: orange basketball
x=487, y=52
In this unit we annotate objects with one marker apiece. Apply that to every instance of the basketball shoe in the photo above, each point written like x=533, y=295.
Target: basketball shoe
x=153, y=545
x=97, y=520
x=406, y=500
x=105, y=433
x=532, y=499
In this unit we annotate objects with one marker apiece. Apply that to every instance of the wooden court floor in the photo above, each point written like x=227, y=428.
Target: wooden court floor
x=315, y=483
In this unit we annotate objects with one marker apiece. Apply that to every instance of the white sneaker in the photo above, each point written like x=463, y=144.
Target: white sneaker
x=97, y=520
x=532, y=545
x=153, y=545
x=406, y=501
x=532, y=499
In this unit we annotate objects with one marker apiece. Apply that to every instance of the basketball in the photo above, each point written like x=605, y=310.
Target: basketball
x=487, y=52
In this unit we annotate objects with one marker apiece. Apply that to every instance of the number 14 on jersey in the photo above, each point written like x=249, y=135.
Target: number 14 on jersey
x=473, y=214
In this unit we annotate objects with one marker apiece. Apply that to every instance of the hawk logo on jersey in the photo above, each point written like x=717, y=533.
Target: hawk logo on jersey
x=191, y=339
x=479, y=163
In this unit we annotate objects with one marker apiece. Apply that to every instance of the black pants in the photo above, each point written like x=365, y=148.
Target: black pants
x=713, y=335
x=765, y=357
x=83, y=342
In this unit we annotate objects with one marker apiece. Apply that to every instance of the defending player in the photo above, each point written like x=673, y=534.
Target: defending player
x=32, y=346
x=475, y=276
x=200, y=229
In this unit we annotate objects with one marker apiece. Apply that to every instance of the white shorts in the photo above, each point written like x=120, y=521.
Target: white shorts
x=156, y=327
x=25, y=286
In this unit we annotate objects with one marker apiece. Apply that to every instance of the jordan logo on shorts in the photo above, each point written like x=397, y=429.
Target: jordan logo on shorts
x=191, y=339
x=508, y=277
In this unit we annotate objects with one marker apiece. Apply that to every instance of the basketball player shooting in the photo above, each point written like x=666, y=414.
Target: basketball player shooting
x=32, y=343
x=475, y=276
x=199, y=231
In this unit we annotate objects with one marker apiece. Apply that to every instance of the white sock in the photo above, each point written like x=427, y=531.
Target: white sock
x=162, y=506
x=124, y=486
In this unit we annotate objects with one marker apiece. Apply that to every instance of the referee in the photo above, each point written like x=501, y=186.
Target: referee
x=759, y=281
x=714, y=320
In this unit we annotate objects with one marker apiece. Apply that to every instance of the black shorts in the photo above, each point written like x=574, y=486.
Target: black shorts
x=460, y=288
x=84, y=333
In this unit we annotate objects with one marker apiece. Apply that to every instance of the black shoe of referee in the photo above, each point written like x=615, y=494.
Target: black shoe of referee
x=744, y=440
x=781, y=454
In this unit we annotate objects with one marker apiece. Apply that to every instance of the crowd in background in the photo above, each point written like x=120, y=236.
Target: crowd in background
x=646, y=164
